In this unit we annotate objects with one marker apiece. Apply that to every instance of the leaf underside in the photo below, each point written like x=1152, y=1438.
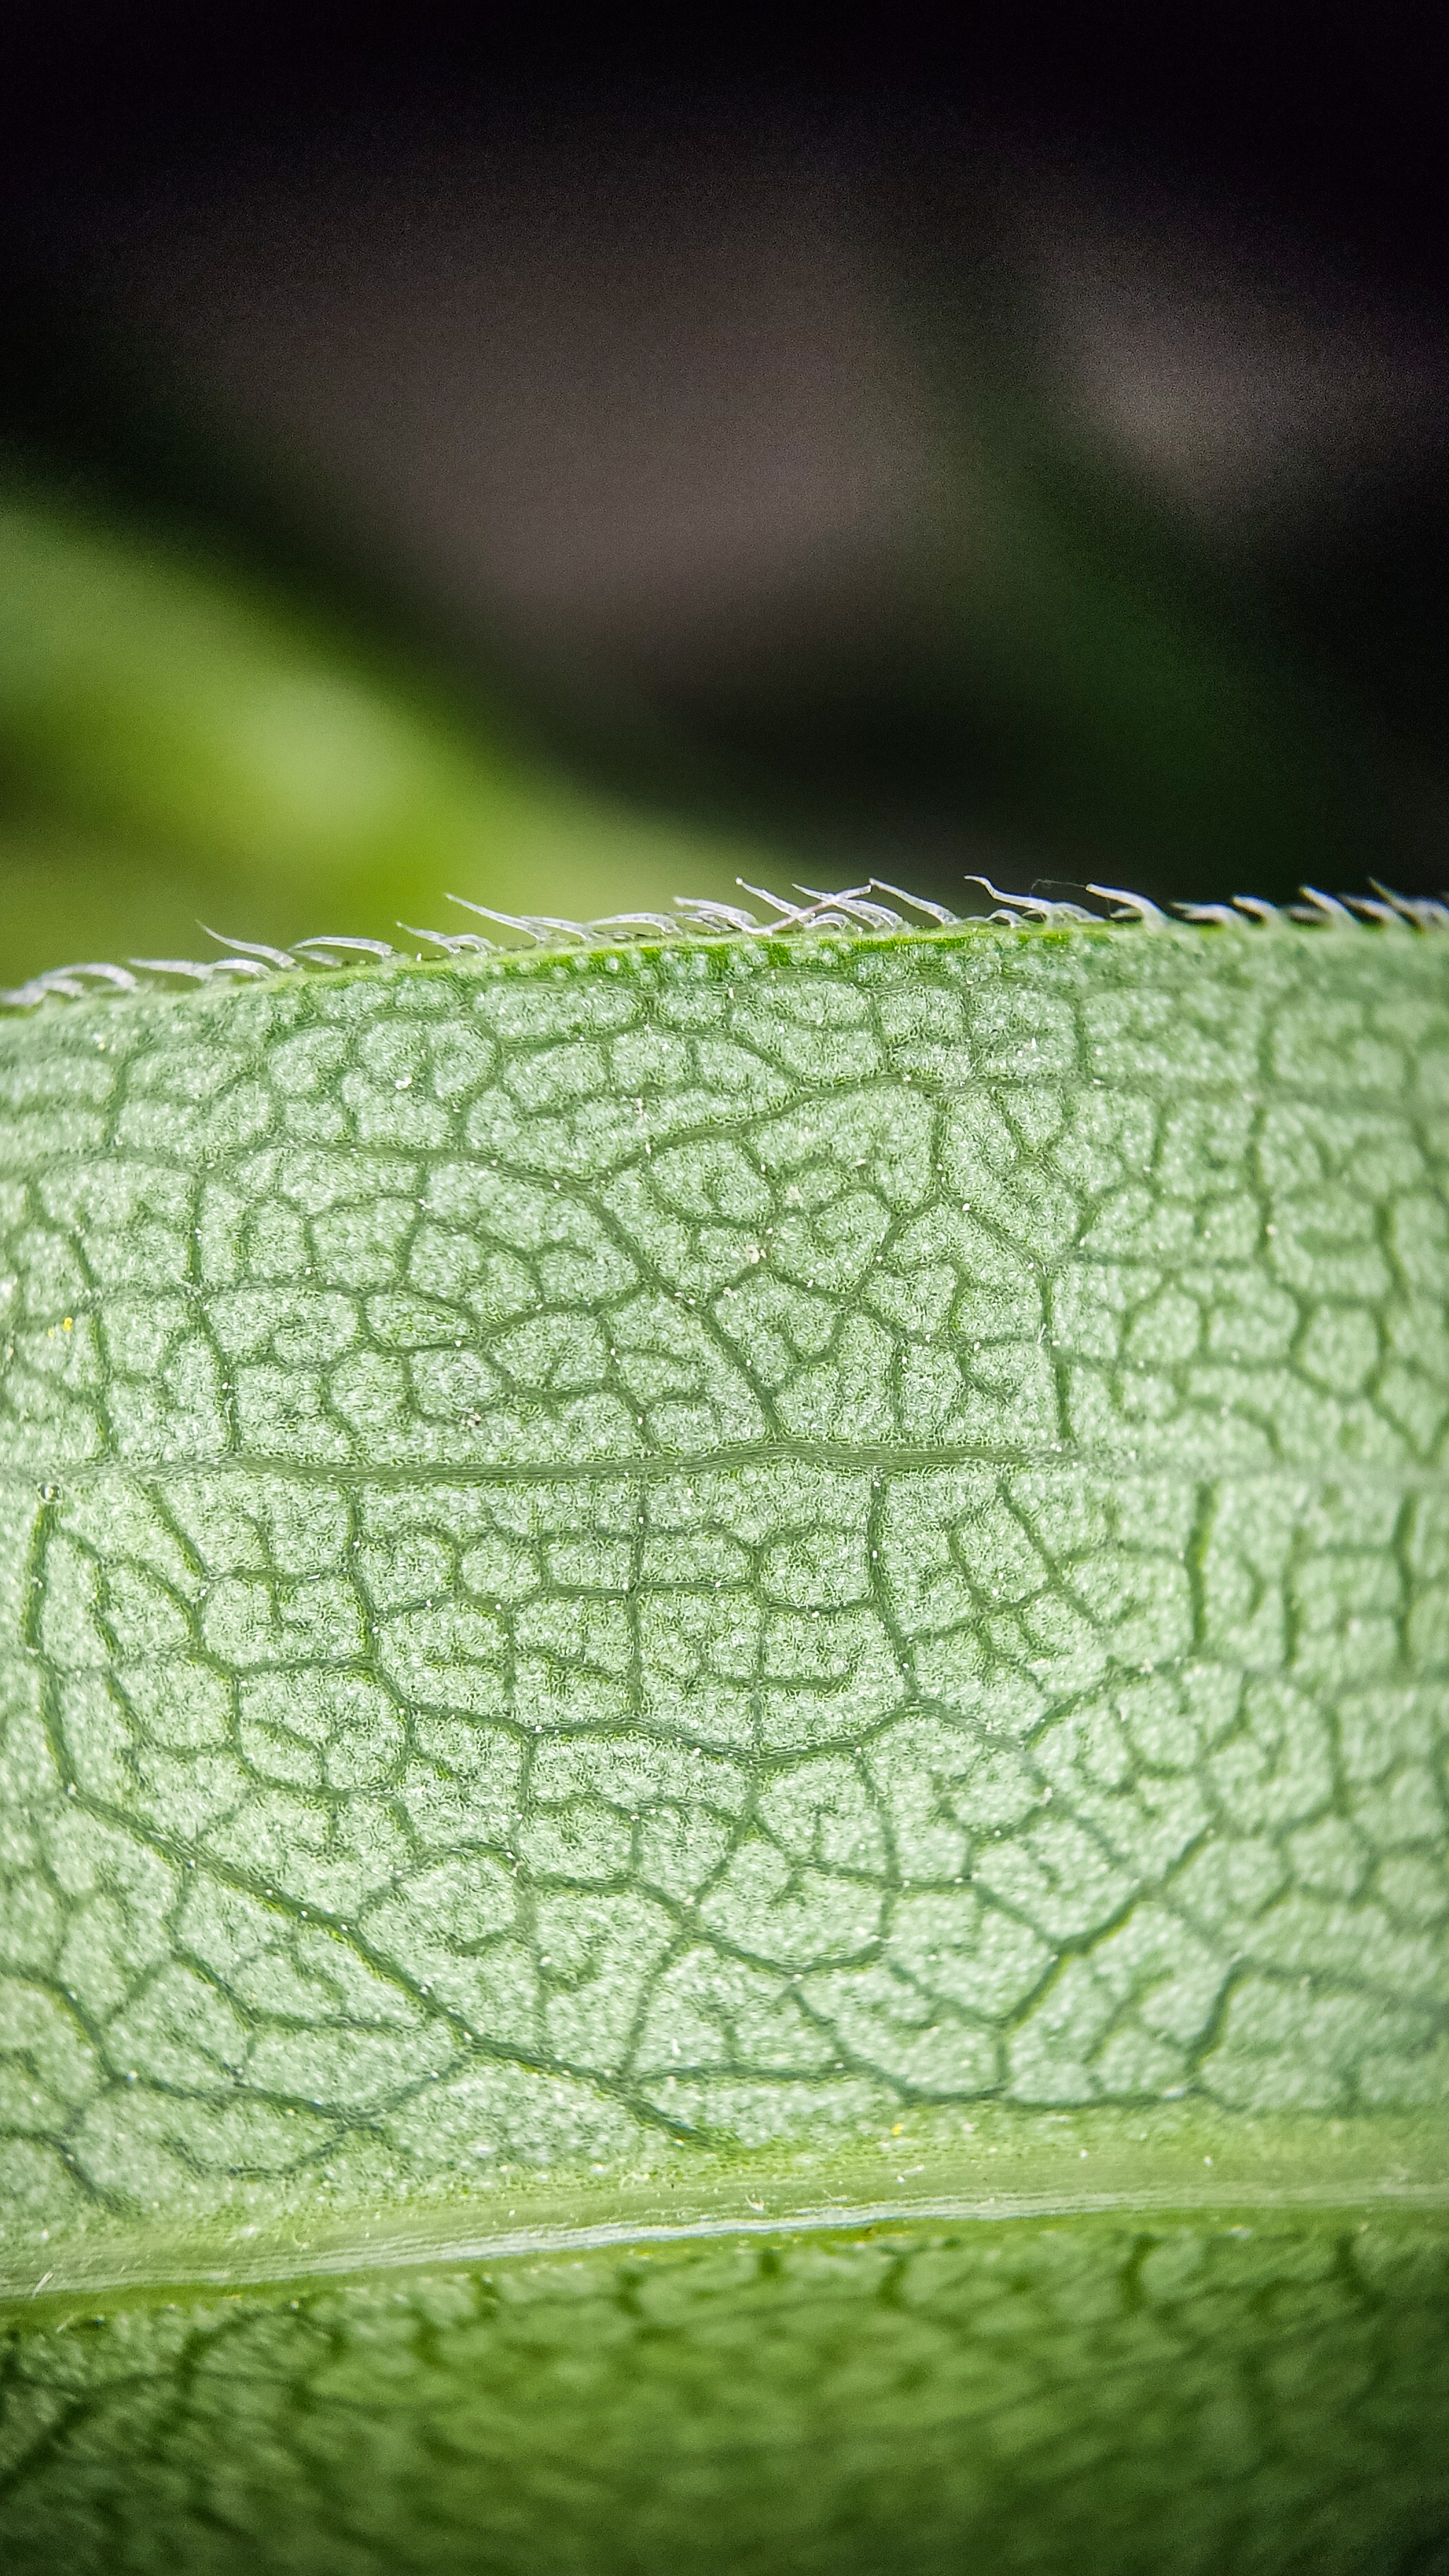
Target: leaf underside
x=629, y=1572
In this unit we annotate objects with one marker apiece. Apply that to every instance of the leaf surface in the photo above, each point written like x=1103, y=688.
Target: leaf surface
x=806, y=1578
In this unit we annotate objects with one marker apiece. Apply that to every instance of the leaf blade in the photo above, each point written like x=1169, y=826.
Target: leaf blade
x=685, y=1553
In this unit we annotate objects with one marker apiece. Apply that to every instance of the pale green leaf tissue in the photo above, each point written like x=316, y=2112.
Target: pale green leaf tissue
x=724, y=1700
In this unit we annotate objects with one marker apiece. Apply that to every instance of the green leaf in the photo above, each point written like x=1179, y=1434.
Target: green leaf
x=791, y=1589
x=179, y=742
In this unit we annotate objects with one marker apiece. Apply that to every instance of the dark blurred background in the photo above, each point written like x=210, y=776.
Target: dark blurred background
x=569, y=466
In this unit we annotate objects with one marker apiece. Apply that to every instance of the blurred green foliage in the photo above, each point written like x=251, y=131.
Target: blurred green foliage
x=197, y=726
x=181, y=744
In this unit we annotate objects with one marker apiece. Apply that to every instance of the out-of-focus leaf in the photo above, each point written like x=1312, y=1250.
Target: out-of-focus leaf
x=178, y=744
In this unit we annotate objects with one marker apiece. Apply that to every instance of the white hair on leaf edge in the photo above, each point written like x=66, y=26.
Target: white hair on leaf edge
x=854, y=912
